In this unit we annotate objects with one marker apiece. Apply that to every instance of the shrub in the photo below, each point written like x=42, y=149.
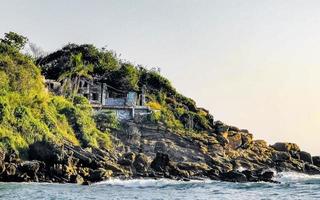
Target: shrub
x=106, y=119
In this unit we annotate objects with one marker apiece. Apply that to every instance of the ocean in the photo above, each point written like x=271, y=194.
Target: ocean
x=292, y=186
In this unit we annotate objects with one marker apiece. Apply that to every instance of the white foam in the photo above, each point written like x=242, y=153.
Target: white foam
x=148, y=182
x=285, y=177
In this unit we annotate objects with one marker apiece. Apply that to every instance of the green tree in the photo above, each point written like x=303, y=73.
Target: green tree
x=14, y=40
x=71, y=78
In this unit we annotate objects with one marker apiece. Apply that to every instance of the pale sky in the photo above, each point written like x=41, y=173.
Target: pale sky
x=253, y=64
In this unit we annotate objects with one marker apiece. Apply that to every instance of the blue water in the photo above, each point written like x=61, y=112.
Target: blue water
x=293, y=186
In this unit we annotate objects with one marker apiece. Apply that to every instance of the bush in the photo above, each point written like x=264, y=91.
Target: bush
x=28, y=113
x=106, y=119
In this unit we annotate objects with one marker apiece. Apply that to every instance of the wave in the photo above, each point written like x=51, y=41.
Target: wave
x=283, y=177
x=295, y=177
x=142, y=183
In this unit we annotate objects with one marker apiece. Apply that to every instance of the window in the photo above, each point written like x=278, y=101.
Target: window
x=95, y=96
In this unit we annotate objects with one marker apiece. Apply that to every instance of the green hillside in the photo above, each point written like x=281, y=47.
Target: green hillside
x=29, y=113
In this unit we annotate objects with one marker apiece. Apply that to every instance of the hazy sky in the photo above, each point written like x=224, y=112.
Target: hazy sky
x=253, y=64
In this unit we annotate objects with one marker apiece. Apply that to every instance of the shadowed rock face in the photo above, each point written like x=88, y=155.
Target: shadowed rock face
x=316, y=160
x=282, y=146
x=149, y=150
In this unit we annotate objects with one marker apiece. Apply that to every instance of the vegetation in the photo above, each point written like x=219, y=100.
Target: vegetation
x=28, y=113
x=106, y=120
x=71, y=78
x=174, y=110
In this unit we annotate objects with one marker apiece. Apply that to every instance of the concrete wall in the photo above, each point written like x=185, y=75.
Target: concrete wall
x=115, y=102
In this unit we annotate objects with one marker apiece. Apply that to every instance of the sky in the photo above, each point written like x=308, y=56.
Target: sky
x=253, y=64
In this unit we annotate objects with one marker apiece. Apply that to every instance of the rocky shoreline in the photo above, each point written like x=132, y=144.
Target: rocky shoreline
x=152, y=151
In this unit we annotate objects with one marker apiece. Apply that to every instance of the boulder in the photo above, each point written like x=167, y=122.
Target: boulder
x=241, y=163
x=30, y=168
x=222, y=140
x=247, y=139
x=160, y=162
x=234, y=128
x=160, y=147
x=316, y=160
x=130, y=156
x=76, y=179
x=141, y=163
x=194, y=168
x=124, y=162
x=11, y=169
x=235, y=140
x=260, y=143
x=233, y=176
x=213, y=174
x=280, y=156
x=250, y=176
x=2, y=167
x=266, y=176
x=295, y=155
x=220, y=127
x=99, y=175
x=46, y=151
x=311, y=169
x=244, y=131
x=2, y=154
x=287, y=147
x=306, y=157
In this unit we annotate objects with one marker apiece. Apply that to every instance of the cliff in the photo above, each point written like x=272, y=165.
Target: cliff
x=59, y=138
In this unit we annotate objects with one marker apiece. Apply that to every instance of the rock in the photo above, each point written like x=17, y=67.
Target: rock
x=279, y=156
x=267, y=176
x=247, y=139
x=260, y=143
x=160, y=147
x=235, y=141
x=30, y=168
x=195, y=168
x=283, y=146
x=2, y=154
x=46, y=151
x=316, y=160
x=2, y=167
x=311, y=169
x=176, y=172
x=10, y=169
x=112, y=166
x=12, y=157
x=124, y=162
x=100, y=175
x=282, y=166
x=160, y=162
x=130, y=156
x=86, y=183
x=295, y=155
x=213, y=174
x=220, y=163
x=244, y=131
x=234, y=128
x=306, y=157
x=250, y=176
x=233, y=176
x=242, y=163
x=222, y=140
x=220, y=127
x=141, y=163
x=77, y=179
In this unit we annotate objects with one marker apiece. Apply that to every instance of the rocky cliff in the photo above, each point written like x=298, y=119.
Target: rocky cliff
x=50, y=138
x=152, y=151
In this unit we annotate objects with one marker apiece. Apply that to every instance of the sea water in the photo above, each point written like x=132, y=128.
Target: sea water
x=292, y=186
